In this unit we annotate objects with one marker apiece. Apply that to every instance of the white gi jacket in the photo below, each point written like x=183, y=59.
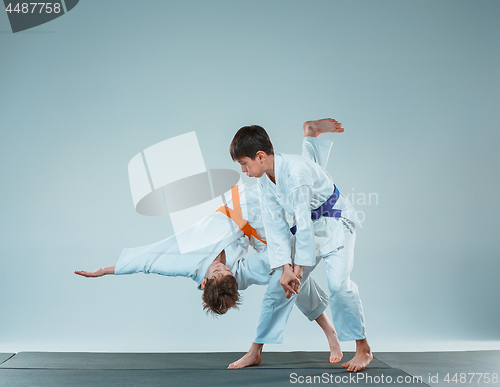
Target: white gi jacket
x=301, y=186
x=164, y=257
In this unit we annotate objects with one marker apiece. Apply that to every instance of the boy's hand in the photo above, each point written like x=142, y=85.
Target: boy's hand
x=289, y=281
x=298, y=270
x=88, y=274
x=97, y=273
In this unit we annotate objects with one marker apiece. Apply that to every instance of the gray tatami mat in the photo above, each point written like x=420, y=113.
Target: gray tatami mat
x=432, y=364
x=246, y=377
x=5, y=356
x=166, y=361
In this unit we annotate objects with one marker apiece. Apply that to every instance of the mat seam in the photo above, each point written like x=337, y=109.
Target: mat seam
x=382, y=361
x=424, y=384
x=6, y=360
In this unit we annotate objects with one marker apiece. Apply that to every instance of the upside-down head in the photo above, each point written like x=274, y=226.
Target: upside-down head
x=220, y=293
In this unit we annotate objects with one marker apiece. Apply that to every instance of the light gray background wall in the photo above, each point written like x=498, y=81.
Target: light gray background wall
x=415, y=84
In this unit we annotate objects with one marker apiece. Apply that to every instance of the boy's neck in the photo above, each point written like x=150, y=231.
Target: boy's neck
x=221, y=257
x=269, y=168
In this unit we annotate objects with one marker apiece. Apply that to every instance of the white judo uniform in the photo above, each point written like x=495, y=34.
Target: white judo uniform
x=303, y=185
x=164, y=258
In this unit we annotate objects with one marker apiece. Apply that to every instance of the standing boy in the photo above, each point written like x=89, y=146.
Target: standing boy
x=325, y=227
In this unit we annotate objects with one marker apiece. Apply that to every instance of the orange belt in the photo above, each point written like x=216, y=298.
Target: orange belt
x=236, y=215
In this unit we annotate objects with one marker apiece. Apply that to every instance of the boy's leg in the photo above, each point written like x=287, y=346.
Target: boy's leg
x=345, y=303
x=276, y=308
x=312, y=301
x=315, y=149
x=318, y=151
x=254, y=356
x=317, y=127
x=274, y=313
x=332, y=337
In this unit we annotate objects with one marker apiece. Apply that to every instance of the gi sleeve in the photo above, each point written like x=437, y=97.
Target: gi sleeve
x=160, y=258
x=253, y=270
x=305, y=249
x=278, y=234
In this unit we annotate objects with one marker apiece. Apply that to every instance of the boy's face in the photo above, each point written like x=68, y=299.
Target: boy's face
x=253, y=168
x=215, y=270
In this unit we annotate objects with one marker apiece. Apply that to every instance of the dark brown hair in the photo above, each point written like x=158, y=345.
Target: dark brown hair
x=248, y=141
x=220, y=295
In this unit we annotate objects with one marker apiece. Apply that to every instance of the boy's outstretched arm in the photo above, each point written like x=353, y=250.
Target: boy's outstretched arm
x=97, y=273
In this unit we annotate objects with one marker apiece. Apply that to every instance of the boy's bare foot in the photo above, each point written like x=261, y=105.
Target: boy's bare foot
x=315, y=128
x=252, y=358
x=361, y=359
x=331, y=335
x=335, y=351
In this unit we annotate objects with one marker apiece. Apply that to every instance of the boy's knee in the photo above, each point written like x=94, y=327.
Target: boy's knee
x=340, y=287
x=335, y=288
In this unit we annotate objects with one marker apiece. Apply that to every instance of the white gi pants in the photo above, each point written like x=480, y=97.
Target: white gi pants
x=345, y=303
x=276, y=308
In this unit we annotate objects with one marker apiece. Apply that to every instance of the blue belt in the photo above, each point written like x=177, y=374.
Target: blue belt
x=325, y=210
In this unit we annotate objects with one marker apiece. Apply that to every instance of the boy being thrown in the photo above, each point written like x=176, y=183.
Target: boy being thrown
x=325, y=228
